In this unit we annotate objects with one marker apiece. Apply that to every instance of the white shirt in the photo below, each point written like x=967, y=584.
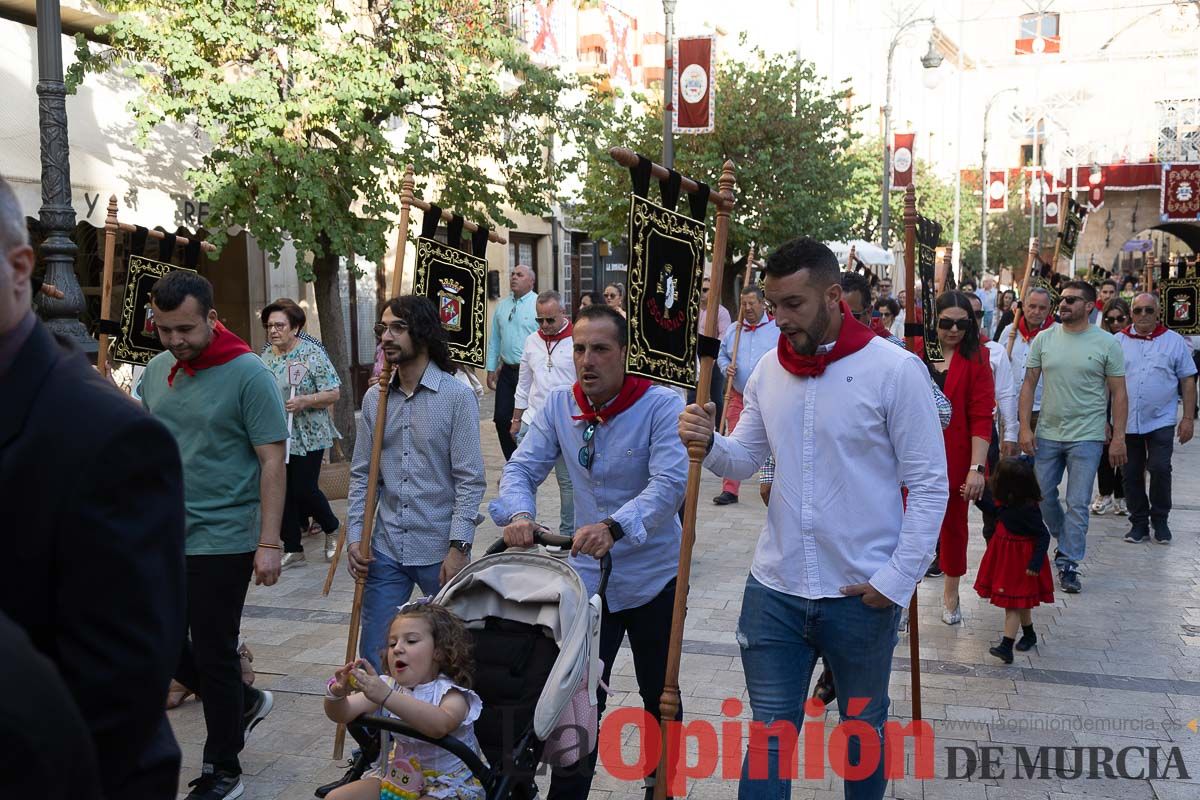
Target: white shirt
x=898, y=325
x=1006, y=389
x=843, y=444
x=1153, y=370
x=1020, y=353
x=544, y=366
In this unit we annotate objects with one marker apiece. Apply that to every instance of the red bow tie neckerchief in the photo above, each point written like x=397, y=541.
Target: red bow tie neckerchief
x=552, y=341
x=1158, y=331
x=224, y=347
x=631, y=391
x=854, y=336
x=1027, y=334
x=751, y=328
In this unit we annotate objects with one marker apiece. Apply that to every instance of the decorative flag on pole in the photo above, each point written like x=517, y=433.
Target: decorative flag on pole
x=1181, y=304
x=902, y=160
x=619, y=43
x=1095, y=194
x=1050, y=206
x=1071, y=229
x=456, y=282
x=997, y=191
x=928, y=233
x=138, y=342
x=1180, y=196
x=693, y=92
x=543, y=24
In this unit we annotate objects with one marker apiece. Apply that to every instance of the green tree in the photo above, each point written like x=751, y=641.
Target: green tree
x=308, y=114
x=783, y=128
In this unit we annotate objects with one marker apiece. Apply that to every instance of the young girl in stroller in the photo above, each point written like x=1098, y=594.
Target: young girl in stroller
x=428, y=661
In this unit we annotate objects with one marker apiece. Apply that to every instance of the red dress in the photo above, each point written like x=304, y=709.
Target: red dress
x=972, y=395
x=1002, y=572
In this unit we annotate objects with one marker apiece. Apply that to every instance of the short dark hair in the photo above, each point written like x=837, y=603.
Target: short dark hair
x=596, y=298
x=169, y=291
x=1015, y=484
x=424, y=327
x=856, y=282
x=753, y=289
x=805, y=253
x=1089, y=291
x=609, y=313
x=955, y=299
x=890, y=304
x=290, y=309
x=1109, y=282
x=1128, y=280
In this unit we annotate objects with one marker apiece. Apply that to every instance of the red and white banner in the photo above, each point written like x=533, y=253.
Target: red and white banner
x=902, y=160
x=1036, y=45
x=1179, y=200
x=1051, y=212
x=620, y=37
x=1095, y=196
x=693, y=93
x=997, y=190
x=543, y=29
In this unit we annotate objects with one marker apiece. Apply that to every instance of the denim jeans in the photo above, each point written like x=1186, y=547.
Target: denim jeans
x=566, y=491
x=389, y=585
x=781, y=637
x=1149, y=452
x=1080, y=460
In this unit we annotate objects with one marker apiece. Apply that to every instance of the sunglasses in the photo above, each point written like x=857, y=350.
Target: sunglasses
x=946, y=324
x=1140, y=310
x=1116, y=319
x=545, y=320
x=277, y=326
x=587, y=453
x=395, y=328
x=1070, y=300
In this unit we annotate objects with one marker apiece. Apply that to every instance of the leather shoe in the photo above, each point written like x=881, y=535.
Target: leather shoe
x=725, y=498
x=824, y=690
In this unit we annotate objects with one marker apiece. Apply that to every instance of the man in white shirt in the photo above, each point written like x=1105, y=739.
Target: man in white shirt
x=1158, y=369
x=547, y=363
x=839, y=556
x=1035, y=318
x=759, y=335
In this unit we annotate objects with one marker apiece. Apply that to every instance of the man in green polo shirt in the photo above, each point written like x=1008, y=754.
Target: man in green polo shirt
x=221, y=404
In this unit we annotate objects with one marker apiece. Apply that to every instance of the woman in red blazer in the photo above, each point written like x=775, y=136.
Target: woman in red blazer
x=965, y=376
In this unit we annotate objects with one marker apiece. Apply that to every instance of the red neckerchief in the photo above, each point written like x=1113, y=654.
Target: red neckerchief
x=854, y=336
x=224, y=347
x=1100, y=305
x=1028, y=335
x=558, y=337
x=631, y=391
x=1158, y=331
x=748, y=328
x=878, y=329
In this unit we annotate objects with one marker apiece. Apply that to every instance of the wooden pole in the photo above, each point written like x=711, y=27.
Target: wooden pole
x=669, y=703
x=111, y=228
x=1030, y=260
x=627, y=158
x=910, y=316
x=1151, y=263
x=364, y=546
x=737, y=337
x=407, y=184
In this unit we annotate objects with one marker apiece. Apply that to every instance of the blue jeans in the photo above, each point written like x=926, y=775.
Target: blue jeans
x=389, y=585
x=566, y=491
x=1080, y=460
x=781, y=637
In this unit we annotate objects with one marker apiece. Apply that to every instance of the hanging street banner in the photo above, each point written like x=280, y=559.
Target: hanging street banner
x=1071, y=229
x=138, y=342
x=902, y=160
x=456, y=282
x=928, y=233
x=1181, y=304
x=997, y=190
x=1180, y=194
x=1050, y=207
x=694, y=100
x=666, y=262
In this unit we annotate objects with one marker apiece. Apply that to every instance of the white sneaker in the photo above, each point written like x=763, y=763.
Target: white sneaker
x=1103, y=505
x=1122, y=511
x=291, y=560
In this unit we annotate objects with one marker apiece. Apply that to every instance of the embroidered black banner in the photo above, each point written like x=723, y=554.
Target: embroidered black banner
x=1181, y=305
x=456, y=282
x=138, y=342
x=928, y=233
x=666, y=263
x=1071, y=229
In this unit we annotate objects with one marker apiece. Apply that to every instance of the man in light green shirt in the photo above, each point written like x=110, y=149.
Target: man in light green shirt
x=1081, y=366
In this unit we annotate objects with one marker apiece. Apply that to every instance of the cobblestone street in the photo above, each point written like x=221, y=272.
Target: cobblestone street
x=1117, y=665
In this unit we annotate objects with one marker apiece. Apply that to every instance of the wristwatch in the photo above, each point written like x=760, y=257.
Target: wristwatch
x=980, y=468
x=614, y=529
x=461, y=546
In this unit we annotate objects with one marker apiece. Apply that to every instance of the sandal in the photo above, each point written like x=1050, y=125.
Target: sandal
x=177, y=694
x=247, y=659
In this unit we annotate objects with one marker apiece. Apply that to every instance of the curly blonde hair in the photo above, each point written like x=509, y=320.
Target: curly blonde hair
x=452, y=645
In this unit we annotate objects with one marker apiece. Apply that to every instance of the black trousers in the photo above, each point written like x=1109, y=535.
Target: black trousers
x=304, y=499
x=649, y=629
x=1110, y=482
x=209, y=665
x=993, y=458
x=506, y=393
x=1149, y=452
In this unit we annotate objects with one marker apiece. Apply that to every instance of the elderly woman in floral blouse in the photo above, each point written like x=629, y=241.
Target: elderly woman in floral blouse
x=312, y=426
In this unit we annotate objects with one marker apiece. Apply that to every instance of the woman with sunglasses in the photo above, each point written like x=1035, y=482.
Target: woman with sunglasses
x=1109, y=482
x=965, y=376
x=614, y=297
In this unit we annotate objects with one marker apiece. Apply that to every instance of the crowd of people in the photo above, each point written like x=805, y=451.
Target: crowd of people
x=226, y=447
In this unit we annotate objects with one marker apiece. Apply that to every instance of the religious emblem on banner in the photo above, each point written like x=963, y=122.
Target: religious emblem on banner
x=138, y=342
x=997, y=190
x=694, y=103
x=1180, y=194
x=1050, y=208
x=928, y=233
x=666, y=260
x=902, y=160
x=1181, y=312
x=1069, y=236
x=456, y=282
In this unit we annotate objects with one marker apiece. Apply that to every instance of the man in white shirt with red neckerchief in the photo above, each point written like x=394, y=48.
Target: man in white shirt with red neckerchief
x=858, y=419
x=547, y=363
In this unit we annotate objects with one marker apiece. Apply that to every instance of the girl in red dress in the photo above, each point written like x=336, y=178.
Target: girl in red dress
x=1015, y=572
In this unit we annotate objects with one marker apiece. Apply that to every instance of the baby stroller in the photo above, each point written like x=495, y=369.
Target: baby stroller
x=537, y=664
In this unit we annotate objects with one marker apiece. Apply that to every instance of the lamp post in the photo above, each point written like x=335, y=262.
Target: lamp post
x=987, y=110
x=668, y=74
x=931, y=60
x=57, y=215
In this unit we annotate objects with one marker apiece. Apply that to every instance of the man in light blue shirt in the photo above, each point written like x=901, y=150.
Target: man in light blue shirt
x=628, y=468
x=759, y=336
x=512, y=322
